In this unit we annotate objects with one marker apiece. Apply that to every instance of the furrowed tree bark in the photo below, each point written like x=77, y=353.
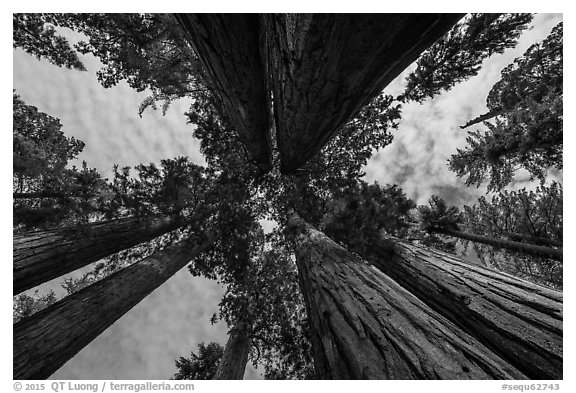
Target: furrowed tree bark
x=366, y=326
x=326, y=67
x=229, y=47
x=40, y=256
x=529, y=249
x=233, y=362
x=48, y=339
x=518, y=320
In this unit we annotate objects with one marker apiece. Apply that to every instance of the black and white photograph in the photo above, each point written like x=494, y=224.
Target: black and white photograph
x=287, y=196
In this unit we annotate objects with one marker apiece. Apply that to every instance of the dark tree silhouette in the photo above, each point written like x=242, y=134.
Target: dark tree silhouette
x=527, y=108
x=202, y=365
x=459, y=54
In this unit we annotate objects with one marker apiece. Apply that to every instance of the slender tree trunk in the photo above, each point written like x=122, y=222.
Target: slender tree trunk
x=366, y=326
x=40, y=256
x=486, y=116
x=518, y=320
x=537, y=240
x=529, y=249
x=44, y=194
x=235, y=357
x=48, y=339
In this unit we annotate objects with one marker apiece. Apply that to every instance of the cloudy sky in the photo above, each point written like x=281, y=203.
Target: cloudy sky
x=175, y=318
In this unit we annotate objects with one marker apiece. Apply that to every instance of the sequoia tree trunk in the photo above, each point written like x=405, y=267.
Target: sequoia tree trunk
x=40, y=256
x=235, y=357
x=48, y=339
x=325, y=67
x=366, y=326
x=229, y=47
x=529, y=249
x=518, y=320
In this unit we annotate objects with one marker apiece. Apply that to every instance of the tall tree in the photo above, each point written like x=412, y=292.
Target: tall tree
x=527, y=107
x=265, y=311
x=157, y=202
x=370, y=227
x=48, y=193
x=519, y=321
x=459, y=54
x=441, y=219
x=533, y=217
x=40, y=256
x=47, y=339
x=261, y=306
x=538, y=73
x=365, y=326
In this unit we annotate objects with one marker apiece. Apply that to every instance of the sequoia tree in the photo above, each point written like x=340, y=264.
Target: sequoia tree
x=371, y=224
x=154, y=204
x=46, y=340
x=366, y=326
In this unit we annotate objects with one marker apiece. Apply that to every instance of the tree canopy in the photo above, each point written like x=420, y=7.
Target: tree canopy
x=526, y=105
x=36, y=34
x=459, y=54
x=201, y=365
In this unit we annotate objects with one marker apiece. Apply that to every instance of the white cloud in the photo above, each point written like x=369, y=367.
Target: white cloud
x=429, y=133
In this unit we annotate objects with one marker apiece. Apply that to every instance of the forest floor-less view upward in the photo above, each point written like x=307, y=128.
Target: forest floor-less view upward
x=288, y=196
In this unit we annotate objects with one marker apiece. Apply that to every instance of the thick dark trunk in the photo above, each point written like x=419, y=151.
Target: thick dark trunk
x=40, y=256
x=366, y=326
x=233, y=362
x=529, y=249
x=229, y=47
x=48, y=339
x=518, y=320
x=486, y=116
x=326, y=67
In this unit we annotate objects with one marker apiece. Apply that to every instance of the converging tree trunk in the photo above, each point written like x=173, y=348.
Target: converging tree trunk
x=518, y=320
x=233, y=362
x=326, y=67
x=228, y=45
x=40, y=256
x=366, y=326
x=529, y=249
x=48, y=339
